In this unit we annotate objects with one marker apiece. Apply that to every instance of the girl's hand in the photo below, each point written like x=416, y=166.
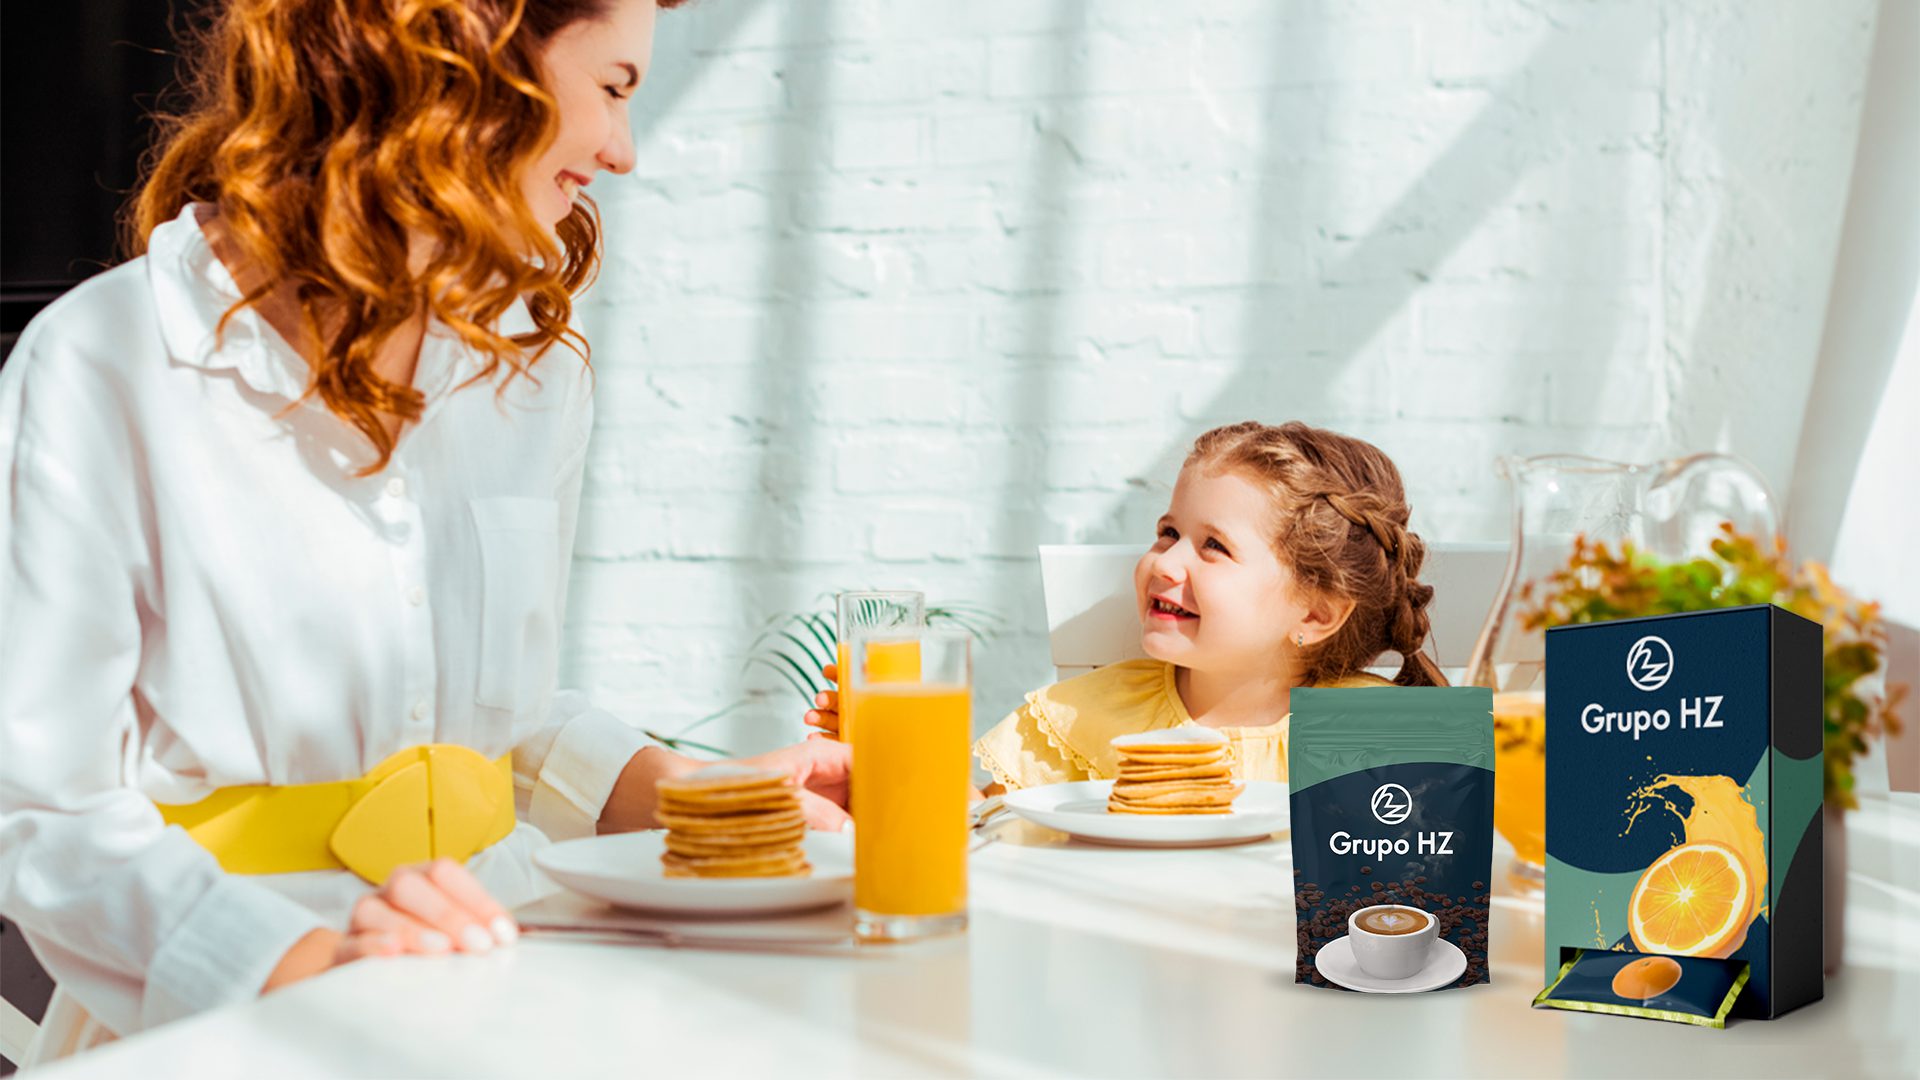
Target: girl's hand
x=825, y=714
x=426, y=909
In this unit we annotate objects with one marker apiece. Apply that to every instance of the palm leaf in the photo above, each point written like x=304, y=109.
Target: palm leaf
x=823, y=631
x=977, y=627
x=710, y=717
x=806, y=650
x=676, y=742
x=798, y=644
x=801, y=684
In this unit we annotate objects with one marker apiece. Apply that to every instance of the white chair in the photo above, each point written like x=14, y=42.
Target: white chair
x=1091, y=621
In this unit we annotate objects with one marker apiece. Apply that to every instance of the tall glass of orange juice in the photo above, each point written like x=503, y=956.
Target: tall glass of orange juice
x=897, y=610
x=912, y=776
x=1520, y=782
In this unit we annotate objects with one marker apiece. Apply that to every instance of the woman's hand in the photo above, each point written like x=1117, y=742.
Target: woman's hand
x=825, y=713
x=823, y=768
x=426, y=909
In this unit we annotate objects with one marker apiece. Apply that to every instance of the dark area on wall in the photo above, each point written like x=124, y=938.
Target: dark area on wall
x=77, y=82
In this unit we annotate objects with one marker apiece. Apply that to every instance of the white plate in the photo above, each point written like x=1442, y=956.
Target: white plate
x=625, y=869
x=1080, y=809
x=1445, y=962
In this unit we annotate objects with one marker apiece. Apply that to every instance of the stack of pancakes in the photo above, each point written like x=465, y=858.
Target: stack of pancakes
x=732, y=821
x=1182, y=770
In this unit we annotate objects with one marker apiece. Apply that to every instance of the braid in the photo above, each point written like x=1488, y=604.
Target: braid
x=1407, y=634
x=1383, y=530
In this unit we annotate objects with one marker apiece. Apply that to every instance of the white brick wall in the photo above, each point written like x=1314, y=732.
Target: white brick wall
x=900, y=290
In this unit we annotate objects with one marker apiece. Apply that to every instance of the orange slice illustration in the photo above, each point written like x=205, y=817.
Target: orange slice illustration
x=1696, y=900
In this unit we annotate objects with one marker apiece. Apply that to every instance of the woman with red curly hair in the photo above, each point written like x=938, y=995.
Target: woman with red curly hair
x=288, y=501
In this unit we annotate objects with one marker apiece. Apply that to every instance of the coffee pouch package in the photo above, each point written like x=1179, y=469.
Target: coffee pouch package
x=1392, y=800
x=1683, y=989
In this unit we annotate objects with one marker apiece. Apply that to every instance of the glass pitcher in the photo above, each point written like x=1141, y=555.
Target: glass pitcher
x=1671, y=510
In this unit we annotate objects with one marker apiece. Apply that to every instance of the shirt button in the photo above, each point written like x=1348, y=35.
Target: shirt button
x=419, y=710
x=396, y=487
x=416, y=596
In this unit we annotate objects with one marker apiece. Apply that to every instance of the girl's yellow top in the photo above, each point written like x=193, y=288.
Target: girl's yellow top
x=1064, y=732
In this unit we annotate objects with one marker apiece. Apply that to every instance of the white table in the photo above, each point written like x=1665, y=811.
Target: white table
x=1080, y=961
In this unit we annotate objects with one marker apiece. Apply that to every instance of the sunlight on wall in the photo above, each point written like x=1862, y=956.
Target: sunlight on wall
x=900, y=291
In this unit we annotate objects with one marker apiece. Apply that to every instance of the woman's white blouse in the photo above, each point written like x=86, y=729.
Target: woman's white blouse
x=198, y=592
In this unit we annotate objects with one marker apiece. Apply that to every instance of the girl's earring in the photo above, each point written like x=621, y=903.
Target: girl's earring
x=1299, y=640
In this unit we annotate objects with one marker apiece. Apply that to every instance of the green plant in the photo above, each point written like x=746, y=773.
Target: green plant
x=796, y=646
x=679, y=740
x=1599, y=583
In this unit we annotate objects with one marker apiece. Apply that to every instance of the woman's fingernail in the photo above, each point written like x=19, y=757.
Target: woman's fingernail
x=847, y=825
x=504, y=931
x=474, y=939
x=433, y=941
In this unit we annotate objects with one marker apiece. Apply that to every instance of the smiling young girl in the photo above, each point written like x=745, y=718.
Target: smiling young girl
x=1283, y=560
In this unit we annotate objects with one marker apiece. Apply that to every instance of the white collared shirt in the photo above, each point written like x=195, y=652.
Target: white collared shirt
x=198, y=592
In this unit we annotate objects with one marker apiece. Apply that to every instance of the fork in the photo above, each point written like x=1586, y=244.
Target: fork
x=986, y=811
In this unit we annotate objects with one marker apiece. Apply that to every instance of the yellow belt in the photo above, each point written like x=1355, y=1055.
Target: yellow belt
x=425, y=802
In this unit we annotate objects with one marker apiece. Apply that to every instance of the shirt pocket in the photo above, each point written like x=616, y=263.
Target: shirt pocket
x=519, y=540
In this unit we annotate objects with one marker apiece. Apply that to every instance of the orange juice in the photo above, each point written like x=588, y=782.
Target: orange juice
x=1520, y=773
x=887, y=661
x=911, y=783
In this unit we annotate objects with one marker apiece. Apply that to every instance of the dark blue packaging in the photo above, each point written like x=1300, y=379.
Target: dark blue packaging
x=1682, y=989
x=1684, y=792
x=1392, y=804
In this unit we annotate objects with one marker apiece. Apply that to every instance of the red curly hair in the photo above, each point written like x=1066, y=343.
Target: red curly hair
x=334, y=135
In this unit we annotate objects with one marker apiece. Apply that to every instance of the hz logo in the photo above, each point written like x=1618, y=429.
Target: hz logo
x=1650, y=663
x=1391, y=804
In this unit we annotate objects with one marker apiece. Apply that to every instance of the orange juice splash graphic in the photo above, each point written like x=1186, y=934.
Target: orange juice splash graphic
x=1721, y=814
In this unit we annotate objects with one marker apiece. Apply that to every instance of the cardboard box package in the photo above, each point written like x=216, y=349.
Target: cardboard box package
x=1684, y=790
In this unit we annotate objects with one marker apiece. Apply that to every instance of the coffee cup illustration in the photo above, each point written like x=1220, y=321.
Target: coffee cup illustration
x=1391, y=941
